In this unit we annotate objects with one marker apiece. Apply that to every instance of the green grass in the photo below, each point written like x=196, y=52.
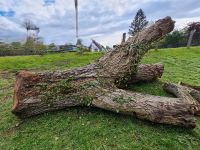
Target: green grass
x=89, y=128
x=46, y=62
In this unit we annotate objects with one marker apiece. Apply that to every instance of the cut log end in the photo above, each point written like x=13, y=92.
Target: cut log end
x=23, y=75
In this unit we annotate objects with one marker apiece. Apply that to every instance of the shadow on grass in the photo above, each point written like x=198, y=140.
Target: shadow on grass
x=103, y=117
x=153, y=88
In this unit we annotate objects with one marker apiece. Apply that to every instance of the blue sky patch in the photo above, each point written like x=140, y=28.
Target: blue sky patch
x=48, y=2
x=9, y=13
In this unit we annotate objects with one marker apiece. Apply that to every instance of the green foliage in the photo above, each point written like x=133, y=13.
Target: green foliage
x=79, y=47
x=16, y=48
x=178, y=38
x=79, y=50
x=91, y=128
x=138, y=23
x=51, y=46
x=194, y=26
x=172, y=40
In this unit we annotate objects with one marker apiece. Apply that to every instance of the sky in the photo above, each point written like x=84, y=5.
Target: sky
x=102, y=20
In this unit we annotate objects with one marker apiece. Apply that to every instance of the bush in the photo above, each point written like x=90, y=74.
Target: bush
x=16, y=48
x=173, y=40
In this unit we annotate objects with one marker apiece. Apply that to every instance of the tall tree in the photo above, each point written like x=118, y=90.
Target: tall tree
x=192, y=29
x=27, y=24
x=36, y=29
x=79, y=46
x=138, y=23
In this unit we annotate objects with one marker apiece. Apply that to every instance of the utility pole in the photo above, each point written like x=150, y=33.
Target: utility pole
x=76, y=9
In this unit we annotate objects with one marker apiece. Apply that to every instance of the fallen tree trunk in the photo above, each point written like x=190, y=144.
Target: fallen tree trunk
x=39, y=93
x=31, y=82
x=98, y=84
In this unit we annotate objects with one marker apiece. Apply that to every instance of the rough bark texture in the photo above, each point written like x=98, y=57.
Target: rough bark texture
x=190, y=38
x=190, y=86
x=193, y=90
x=147, y=73
x=154, y=108
x=187, y=94
x=98, y=84
x=33, y=83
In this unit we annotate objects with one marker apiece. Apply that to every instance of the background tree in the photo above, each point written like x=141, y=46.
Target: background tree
x=27, y=24
x=192, y=28
x=138, y=23
x=177, y=38
x=79, y=46
x=36, y=30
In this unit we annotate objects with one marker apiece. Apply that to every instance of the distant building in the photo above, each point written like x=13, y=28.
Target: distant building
x=62, y=48
x=69, y=48
x=56, y=48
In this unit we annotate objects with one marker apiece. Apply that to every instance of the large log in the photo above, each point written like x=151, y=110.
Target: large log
x=39, y=93
x=29, y=81
x=97, y=85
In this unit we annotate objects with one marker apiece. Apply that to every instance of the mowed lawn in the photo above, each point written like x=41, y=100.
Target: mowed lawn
x=89, y=128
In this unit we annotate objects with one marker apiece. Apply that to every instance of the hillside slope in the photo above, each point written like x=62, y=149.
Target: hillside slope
x=87, y=128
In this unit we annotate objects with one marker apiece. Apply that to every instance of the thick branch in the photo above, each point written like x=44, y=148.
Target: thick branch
x=147, y=72
x=160, y=28
x=123, y=62
x=154, y=108
x=188, y=95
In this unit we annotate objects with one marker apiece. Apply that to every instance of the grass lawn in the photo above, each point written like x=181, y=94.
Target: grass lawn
x=89, y=128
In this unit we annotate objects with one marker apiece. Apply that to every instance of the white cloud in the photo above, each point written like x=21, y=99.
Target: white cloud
x=110, y=39
x=183, y=22
x=103, y=20
x=7, y=24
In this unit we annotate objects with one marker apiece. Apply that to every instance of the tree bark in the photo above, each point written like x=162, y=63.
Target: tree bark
x=190, y=38
x=188, y=94
x=32, y=81
x=38, y=93
x=147, y=73
x=98, y=84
